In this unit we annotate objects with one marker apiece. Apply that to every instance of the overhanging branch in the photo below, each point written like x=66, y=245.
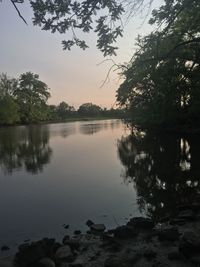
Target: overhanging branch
x=15, y=6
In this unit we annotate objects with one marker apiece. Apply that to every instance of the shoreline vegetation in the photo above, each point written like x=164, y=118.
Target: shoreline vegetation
x=172, y=242
x=24, y=101
x=68, y=120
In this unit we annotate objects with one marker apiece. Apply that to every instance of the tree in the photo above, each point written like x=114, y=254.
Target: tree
x=7, y=85
x=32, y=95
x=161, y=85
x=8, y=106
x=64, y=110
x=102, y=17
x=89, y=109
x=71, y=16
x=8, y=111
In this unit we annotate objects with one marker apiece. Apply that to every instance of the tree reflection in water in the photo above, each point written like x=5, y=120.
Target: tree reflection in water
x=165, y=170
x=24, y=147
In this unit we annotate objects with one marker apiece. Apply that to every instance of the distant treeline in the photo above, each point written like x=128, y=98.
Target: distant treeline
x=24, y=101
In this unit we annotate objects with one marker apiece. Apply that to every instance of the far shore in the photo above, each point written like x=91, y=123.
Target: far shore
x=73, y=119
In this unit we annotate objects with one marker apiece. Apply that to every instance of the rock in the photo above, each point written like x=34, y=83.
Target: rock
x=4, y=248
x=66, y=226
x=89, y=223
x=170, y=233
x=149, y=253
x=187, y=215
x=141, y=222
x=47, y=262
x=65, y=239
x=77, y=232
x=73, y=243
x=124, y=232
x=189, y=244
x=30, y=254
x=64, y=253
x=98, y=227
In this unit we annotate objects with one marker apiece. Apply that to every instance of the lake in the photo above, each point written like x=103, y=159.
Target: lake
x=64, y=174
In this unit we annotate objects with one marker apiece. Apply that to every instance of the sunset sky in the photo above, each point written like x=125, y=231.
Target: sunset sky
x=74, y=77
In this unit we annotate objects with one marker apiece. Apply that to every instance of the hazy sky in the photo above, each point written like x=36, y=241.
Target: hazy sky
x=75, y=76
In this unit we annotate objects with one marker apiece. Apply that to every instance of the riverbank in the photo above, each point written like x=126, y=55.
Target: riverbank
x=73, y=119
x=175, y=242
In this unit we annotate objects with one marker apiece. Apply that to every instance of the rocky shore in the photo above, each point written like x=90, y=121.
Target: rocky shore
x=174, y=242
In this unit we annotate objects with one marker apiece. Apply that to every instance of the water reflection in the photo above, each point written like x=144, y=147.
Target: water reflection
x=164, y=170
x=93, y=128
x=24, y=147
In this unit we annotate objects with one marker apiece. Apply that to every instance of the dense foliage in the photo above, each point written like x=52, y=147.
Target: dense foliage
x=162, y=82
x=24, y=100
x=73, y=16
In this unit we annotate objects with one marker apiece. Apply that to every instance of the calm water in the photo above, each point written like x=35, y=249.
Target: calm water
x=58, y=174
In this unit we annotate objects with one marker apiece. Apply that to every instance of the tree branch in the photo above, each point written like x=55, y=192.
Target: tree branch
x=13, y=2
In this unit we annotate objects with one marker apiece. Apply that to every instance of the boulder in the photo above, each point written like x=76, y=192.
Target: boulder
x=89, y=223
x=66, y=238
x=73, y=243
x=64, y=253
x=30, y=254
